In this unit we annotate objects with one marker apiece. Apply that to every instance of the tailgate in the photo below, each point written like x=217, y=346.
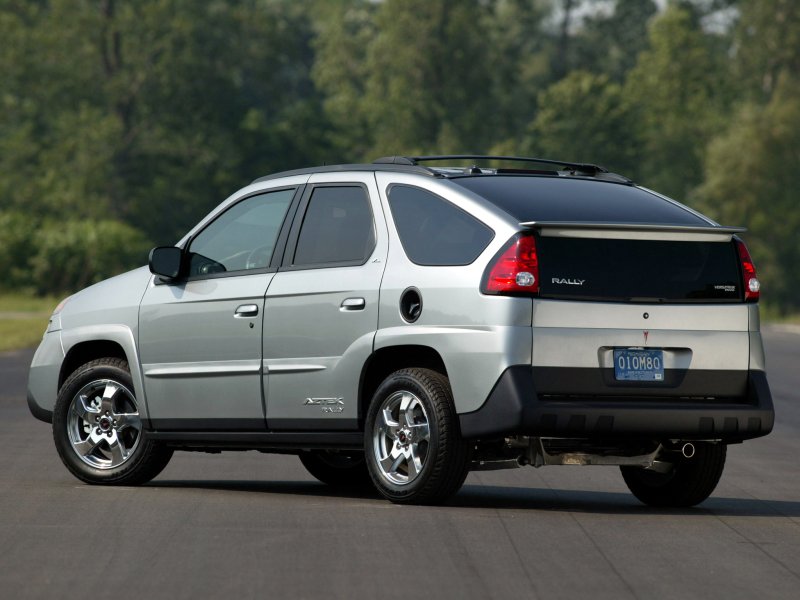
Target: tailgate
x=612, y=294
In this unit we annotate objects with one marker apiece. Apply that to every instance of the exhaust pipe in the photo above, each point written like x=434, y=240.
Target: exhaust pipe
x=687, y=450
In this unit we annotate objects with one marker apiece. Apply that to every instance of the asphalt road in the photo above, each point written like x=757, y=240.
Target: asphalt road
x=249, y=525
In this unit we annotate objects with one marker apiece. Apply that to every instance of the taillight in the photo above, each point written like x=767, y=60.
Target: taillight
x=515, y=269
x=749, y=276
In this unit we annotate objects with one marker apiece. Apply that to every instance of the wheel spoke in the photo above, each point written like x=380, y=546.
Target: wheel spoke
x=405, y=402
x=420, y=432
x=107, y=402
x=391, y=462
x=125, y=420
x=83, y=410
x=388, y=425
x=118, y=450
x=397, y=462
x=414, y=463
x=408, y=417
x=87, y=446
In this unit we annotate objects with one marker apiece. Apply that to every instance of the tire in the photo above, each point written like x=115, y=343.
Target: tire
x=413, y=446
x=97, y=430
x=691, y=481
x=336, y=468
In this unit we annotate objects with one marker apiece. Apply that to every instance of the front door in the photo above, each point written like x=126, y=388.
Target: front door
x=200, y=337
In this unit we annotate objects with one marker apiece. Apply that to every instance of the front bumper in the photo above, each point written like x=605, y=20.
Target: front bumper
x=43, y=376
x=514, y=408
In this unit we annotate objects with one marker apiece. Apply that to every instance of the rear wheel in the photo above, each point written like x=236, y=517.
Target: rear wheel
x=413, y=445
x=336, y=468
x=97, y=428
x=691, y=480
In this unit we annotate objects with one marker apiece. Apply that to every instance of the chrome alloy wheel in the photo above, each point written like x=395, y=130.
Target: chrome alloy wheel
x=401, y=437
x=103, y=424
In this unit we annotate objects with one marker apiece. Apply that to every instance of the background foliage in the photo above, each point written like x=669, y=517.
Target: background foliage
x=122, y=123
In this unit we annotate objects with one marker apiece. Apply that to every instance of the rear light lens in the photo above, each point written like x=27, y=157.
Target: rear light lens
x=515, y=269
x=752, y=287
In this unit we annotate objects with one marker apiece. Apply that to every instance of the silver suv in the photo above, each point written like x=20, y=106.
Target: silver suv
x=406, y=324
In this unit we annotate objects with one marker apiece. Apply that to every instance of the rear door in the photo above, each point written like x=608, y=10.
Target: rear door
x=321, y=309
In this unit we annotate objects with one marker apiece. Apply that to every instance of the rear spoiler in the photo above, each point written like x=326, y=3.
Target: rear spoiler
x=644, y=231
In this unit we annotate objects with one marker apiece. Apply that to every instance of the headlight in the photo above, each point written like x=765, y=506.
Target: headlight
x=55, y=318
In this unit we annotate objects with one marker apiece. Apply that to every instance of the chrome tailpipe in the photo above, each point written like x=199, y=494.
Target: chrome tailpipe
x=688, y=450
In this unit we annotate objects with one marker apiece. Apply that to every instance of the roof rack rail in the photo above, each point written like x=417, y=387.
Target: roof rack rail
x=415, y=160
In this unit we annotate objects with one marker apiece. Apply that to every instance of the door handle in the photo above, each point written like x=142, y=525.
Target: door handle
x=353, y=304
x=246, y=310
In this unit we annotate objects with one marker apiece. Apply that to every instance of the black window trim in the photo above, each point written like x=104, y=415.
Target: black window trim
x=454, y=205
x=277, y=251
x=299, y=217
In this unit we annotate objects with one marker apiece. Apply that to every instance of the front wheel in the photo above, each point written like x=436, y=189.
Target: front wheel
x=690, y=481
x=97, y=428
x=413, y=446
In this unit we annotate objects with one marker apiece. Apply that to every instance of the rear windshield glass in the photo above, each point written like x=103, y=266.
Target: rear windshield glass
x=530, y=198
x=638, y=270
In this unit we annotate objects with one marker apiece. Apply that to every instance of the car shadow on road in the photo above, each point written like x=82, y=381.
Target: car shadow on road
x=519, y=498
x=292, y=488
x=474, y=496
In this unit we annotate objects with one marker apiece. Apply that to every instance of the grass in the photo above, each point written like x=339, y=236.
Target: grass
x=18, y=302
x=23, y=319
x=21, y=333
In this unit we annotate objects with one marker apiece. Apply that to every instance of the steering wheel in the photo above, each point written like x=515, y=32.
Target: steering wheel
x=259, y=257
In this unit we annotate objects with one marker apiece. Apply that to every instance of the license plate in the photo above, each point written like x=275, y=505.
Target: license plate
x=638, y=364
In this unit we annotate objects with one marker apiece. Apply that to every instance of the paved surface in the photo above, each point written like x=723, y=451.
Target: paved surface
x=249, y=525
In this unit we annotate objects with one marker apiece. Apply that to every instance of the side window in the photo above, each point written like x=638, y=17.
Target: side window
x=337, y=227
x=433, y=231
x=243, y=237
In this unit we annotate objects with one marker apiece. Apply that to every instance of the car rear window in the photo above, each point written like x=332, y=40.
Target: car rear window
x=433, y=231
x=638, y=270
x=531, y=198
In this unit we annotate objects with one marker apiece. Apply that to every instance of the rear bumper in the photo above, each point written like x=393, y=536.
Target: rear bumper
x=514, y=408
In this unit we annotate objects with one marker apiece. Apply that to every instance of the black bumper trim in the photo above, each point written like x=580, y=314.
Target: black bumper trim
x=514, y=408
x=37, y=411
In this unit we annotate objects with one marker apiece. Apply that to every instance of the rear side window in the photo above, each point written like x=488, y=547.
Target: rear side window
x=433, y=231
x=337, y=228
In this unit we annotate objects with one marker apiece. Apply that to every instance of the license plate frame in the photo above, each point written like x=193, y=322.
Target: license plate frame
x=639, y=364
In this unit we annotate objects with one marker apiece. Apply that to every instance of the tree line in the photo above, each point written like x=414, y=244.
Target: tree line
x=122, y=123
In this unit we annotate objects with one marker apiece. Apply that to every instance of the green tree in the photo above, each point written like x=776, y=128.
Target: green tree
x=344, y=31
x=151, y=111
x=413, y=76
x=767, y=44
x=677, y=92
x=520, y=53
x=584, y=118
x=752, y=179
x=610, y=43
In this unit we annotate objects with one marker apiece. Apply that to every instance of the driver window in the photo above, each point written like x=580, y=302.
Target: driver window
x=242, y=238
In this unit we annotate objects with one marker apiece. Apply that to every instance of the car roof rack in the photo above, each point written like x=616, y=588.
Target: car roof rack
x=411, y=164
x=415, y=160
x=567, y=167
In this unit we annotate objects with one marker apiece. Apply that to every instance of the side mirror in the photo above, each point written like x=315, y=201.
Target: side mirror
x=166, y=261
